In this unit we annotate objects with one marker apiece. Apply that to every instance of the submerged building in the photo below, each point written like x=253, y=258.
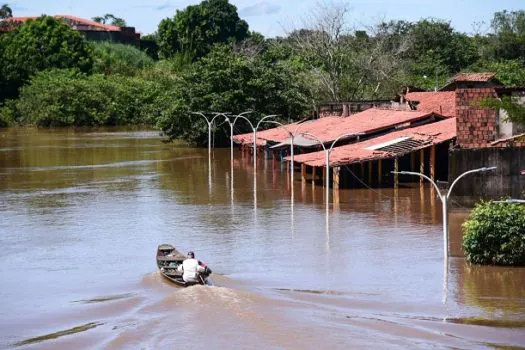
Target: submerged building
x=440, y=134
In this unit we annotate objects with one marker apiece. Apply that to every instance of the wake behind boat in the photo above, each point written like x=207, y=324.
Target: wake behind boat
x=168, y=261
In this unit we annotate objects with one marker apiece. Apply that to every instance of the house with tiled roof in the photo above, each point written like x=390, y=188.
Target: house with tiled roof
x=92, y=30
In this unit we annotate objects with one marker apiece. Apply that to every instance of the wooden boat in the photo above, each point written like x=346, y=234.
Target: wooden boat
x=169, y=259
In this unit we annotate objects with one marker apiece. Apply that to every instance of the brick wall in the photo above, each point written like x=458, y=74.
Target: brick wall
x=476, y=126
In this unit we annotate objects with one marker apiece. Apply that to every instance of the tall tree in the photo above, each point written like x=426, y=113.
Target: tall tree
x=225, y=80
x=5, y=12
x=509, y=32
x=40, y=44
x=198, y=27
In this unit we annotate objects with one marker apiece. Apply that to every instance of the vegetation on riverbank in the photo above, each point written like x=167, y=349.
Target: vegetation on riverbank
x=51, y=76
x=495, y=234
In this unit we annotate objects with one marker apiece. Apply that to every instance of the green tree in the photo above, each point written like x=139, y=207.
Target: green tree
x=40, y=44
x=63, y=97
x=227, y=81
x=198, y=27
x=112, y=58
x=495, y=234
x=148, y=44
x=5, y=12
x=436, y=40
x=108, y=18
x=509, y=35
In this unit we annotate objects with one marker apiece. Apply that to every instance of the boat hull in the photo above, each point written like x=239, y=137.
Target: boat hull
x=169, y=259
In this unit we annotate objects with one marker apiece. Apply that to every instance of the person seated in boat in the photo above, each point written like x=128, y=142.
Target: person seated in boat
x=191, y=268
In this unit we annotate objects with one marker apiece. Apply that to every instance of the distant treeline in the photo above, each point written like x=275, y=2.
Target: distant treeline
x=205, y=58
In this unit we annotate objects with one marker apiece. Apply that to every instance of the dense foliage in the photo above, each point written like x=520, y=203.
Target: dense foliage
x=67, y=97
x=495, y=234
x=209, y=60
x=227, y=81
x=40, y=44
x=198, y=27
x=109, y=58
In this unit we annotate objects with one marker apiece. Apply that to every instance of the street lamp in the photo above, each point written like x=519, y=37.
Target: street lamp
x=232, y=124
x=445, y=197
x=210, y=123
x=327, y=157
x=254, y=129
x=291, y=142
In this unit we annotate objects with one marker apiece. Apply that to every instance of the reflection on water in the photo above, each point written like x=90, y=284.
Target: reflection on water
x=83, y=212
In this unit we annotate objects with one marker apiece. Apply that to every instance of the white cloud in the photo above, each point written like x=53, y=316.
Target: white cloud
x=260, y=9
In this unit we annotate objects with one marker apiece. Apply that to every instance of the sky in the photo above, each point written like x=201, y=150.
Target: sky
x=277, y=17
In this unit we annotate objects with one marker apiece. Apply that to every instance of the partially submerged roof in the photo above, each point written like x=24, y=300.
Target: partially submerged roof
x=328, y=129
x=440, y=102
x=391, y=145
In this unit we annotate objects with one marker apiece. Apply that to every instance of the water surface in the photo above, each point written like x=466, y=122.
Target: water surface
x=84, y=210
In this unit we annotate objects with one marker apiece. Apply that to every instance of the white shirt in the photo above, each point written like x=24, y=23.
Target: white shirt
x=190, y=268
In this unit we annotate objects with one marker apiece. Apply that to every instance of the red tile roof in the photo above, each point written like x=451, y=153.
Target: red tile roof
x=275, y=134
x=430, y=134
x=440, y=102
x=479, y=77
x=75, y=21
x=327, y=129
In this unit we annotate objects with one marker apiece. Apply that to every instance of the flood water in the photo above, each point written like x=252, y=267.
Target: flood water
x=82, y=213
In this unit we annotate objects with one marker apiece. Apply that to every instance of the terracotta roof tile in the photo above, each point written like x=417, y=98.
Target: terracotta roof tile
x=430, y=134
x=76, y=20
x=440, y=102
x=327, y=129
x=479, y=77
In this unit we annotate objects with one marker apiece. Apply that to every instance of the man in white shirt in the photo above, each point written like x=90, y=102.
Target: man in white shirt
x=191, y=269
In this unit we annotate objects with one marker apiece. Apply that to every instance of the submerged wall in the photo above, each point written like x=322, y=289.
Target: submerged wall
x=505, y=181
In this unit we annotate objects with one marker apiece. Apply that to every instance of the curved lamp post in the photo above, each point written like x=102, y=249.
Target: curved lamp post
x=254, y=129
x=232, y=124
x=445, y=197
x=327, y=156
x=292, y=136
x=210, y=123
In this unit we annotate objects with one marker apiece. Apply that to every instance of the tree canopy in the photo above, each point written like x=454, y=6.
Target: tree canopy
x=40, y=44
x=108, y=18
x=5, y=12
x=205, y=58
x=198, y=27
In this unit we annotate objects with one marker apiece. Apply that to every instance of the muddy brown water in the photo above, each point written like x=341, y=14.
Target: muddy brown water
x=82, y=212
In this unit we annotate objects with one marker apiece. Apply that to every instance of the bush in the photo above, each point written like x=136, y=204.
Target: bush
x=8, y=115
x=40, y=44
x=111, y=58
x=495, y=234
x=68, y=97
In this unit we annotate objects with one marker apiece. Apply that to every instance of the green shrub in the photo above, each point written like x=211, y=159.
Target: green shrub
x=112, y=58
x=8, y=116
x=68, y=97
x=495, y=234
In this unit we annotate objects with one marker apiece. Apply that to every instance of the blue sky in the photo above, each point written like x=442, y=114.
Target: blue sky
x=274, y=17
